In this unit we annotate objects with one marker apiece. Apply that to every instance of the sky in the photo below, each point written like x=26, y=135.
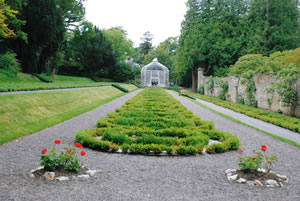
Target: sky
x=161, y=17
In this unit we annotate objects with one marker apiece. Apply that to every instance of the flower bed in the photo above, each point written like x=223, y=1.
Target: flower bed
x=155, y=123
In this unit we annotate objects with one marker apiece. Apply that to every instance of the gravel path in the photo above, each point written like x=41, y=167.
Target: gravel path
x=271, y=128
x=46, y=90
x=129, y=177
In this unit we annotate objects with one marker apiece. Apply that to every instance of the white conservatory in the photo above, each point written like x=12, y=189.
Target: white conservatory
x=155, y=74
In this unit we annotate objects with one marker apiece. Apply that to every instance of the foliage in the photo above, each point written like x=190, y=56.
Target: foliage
x=145, y=126
x=223, y=84
x=146, y=44
x=250, y=91
x=165, y=53
x=214, y=34
x=123, y=72
x=284, y=86
x=282, y=120
x=66, y=160
x=201, y=89
x=5, y=12
x=120, y=88
x=210, y=84
x=93, y=51
x=252, y=163
x=122, y=46
x=9, y=64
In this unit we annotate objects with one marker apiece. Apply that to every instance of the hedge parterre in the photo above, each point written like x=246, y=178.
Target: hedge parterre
x=153, y=122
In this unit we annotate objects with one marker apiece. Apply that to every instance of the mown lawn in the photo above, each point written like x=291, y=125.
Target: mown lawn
x=23, y=114
x=27, y=82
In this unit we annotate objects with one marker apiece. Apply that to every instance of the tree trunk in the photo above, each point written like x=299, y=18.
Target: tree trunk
x=194, y=79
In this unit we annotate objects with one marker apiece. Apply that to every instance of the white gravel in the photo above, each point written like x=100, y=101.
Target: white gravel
x=130, y=177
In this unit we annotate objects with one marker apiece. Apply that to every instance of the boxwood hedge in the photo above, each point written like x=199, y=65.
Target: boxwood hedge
x=153, y=122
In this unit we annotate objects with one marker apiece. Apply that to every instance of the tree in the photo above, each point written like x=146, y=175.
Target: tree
x=165, y=53
x=121, y=45
x=35, y=53
x=71, y=11
x=93, y=51
x=5, y=12
x=146, y=45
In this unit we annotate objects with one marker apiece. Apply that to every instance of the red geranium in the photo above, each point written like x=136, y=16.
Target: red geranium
x=44, y=151
x=240, y=151
x=57, y=142
x=78, y=145
x=69, y=151
x=82, y=153
x=264, y=148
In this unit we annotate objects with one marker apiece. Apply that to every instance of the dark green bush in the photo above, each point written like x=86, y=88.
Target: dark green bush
x=120, y=88
x=188, y=96
x=10, y=64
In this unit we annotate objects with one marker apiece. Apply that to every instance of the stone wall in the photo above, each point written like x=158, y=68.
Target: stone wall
x=264, y=99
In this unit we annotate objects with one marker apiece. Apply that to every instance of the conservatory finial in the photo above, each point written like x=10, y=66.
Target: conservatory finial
x=155, y=60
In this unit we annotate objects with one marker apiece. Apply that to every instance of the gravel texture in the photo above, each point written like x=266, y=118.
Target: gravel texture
x=129, y=177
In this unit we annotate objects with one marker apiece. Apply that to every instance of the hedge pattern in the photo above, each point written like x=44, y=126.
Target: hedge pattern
x=153, y=122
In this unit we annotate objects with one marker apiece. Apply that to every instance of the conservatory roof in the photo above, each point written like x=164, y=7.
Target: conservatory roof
x=155, y=65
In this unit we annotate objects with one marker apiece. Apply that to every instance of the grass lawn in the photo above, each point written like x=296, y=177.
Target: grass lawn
x=23, y=114
x=282, y=120
x=26, y=82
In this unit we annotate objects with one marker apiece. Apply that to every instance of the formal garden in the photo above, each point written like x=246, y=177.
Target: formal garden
x=87, y=113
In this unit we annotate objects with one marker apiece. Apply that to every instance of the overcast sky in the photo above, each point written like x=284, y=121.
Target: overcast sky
x=161, y=17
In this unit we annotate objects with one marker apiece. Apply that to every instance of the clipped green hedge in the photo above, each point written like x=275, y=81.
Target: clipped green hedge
x=281, y=120
x=120, y=88
x=188, y=96
x=153, y=122
x=43, y=77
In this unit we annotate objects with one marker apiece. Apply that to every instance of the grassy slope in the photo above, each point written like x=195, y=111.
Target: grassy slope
x=23, y=114
x=28, y=82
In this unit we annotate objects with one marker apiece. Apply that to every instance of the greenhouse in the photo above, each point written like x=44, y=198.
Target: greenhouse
x=155, y=75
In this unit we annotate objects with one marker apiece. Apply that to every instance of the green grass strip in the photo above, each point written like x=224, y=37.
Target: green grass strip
x=281, y=120
x=291, y=142
x=24, y=114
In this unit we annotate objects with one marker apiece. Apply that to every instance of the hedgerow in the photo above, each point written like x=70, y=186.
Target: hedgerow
x=154, y=122
x=120, y=88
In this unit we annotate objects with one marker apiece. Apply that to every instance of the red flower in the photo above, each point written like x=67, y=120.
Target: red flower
x=240, y=151
x=264, y=148
x=78, y=145
x=253, y=159
x=56, y=141
x=69, y=151
x=44, y=151
x=82, y=153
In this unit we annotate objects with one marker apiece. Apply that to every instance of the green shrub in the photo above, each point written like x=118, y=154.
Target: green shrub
x=115, y=136
x=153, y=122
x=215, y=148
x=120, y=88
x=10, y=64
x=188, y=96
x=201, y=89
x=44, y=77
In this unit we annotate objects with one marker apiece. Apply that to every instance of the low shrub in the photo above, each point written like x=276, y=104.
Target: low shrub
x=188, y=96
x=120, y=88
x=153, y=123
x=10, y=64
x=44, y=77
